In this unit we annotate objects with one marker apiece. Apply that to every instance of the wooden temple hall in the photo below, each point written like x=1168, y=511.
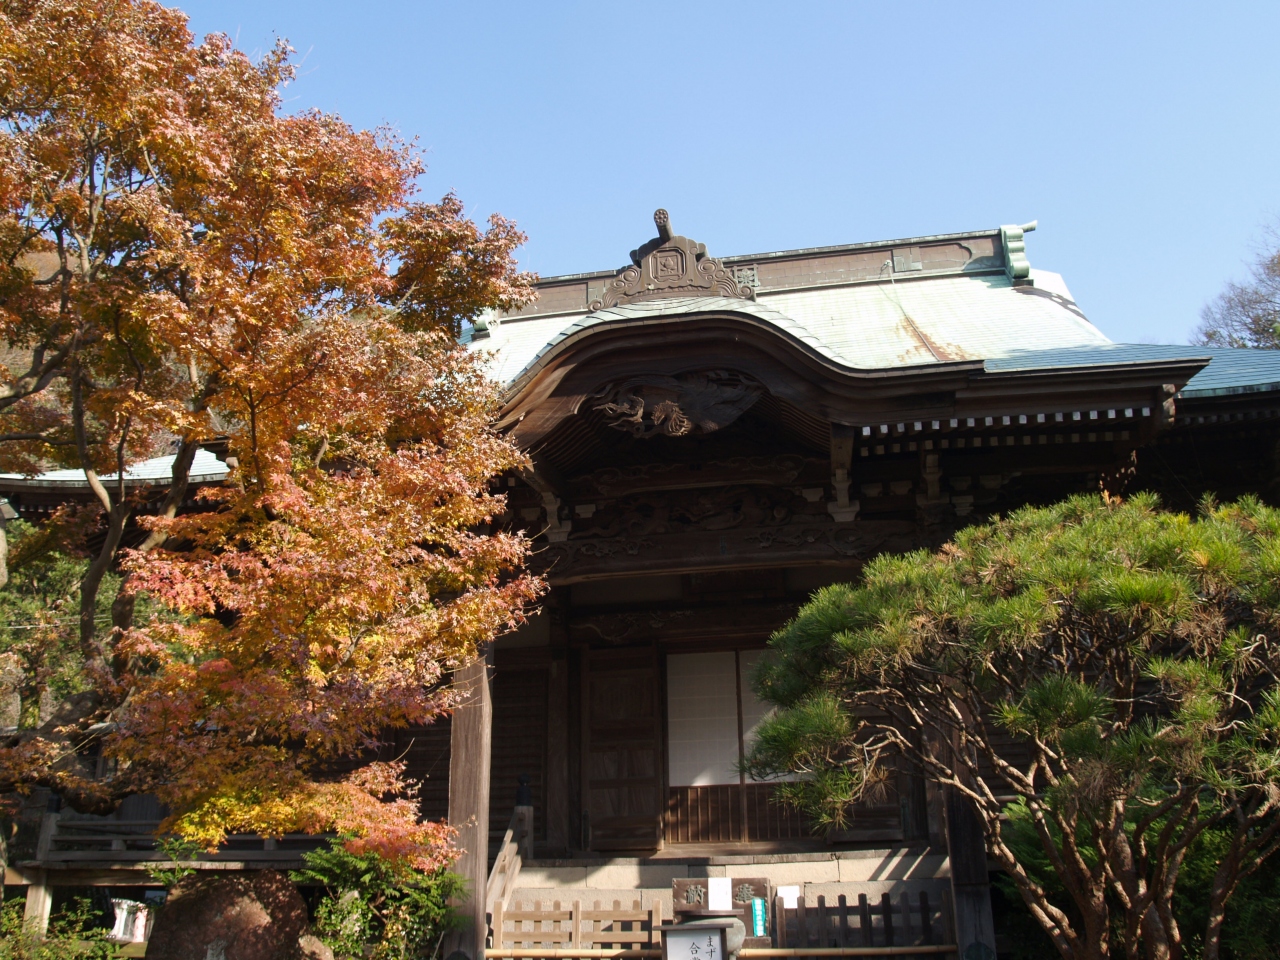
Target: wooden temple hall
x=711, y=440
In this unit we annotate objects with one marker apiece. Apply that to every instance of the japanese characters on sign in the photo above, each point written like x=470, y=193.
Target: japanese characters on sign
x=696, y=943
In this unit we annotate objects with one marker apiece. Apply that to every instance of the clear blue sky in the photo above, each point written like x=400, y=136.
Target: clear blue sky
x=1145, y=137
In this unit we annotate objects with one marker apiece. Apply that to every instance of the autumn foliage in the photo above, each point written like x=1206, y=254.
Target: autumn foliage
x=182, y=262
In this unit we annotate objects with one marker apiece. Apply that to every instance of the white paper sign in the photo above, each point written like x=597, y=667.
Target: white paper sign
x=790, y=895
x=719, y=893
x=694, y=944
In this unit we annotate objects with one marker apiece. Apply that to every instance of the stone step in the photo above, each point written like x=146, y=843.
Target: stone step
x=549, y=879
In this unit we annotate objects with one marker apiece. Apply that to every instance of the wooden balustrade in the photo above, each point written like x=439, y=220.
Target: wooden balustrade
x=515, y=848
x=734, y=813
x=731, y=813
x=78, y=839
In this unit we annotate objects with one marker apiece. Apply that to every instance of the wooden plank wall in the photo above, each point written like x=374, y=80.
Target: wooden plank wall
x=519, y=743
x=519, y=746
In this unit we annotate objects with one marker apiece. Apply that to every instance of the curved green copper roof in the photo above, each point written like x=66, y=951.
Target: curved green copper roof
x=650, y=311
x=865, y=326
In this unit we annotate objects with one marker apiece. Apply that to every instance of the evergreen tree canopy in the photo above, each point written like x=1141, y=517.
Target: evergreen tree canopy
x=1103, y=671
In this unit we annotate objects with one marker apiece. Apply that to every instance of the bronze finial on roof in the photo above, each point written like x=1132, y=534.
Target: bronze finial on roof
x=662, y=220
x=671, y=266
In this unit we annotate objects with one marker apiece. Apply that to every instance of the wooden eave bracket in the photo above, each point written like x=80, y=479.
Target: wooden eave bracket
x=543, y=478
x=842, y=509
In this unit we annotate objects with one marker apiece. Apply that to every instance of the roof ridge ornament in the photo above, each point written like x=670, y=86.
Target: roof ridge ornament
x=1016, y=264
x=671, y=266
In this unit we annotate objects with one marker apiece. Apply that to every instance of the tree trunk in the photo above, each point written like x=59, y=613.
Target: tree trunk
x=4, y=854
x=1156, y=938
x=1213, y=930
x=4, y=574
x=116, y=518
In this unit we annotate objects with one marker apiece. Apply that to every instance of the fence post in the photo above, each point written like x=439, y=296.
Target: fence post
x=864, y=921
x=926, y=918
x=497, y=923
x=905, y=900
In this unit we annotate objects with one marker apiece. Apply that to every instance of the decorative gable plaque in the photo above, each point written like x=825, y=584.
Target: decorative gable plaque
x=671, y=266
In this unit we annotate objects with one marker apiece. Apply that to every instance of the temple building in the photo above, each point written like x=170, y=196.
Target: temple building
x=710, y=441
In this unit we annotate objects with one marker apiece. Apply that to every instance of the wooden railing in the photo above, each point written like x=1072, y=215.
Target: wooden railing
x=68, y=840
x=728, y=813
x=515, y=848
x=733, y=813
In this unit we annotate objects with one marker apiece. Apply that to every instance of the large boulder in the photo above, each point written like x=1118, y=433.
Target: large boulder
x=248, y=916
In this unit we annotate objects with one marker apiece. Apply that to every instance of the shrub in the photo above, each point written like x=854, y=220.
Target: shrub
x=401, y=913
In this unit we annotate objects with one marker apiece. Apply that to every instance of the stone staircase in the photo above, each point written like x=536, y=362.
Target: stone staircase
x=828, y=874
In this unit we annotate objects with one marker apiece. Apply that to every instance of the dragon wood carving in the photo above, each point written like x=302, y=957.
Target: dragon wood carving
x=655, y=405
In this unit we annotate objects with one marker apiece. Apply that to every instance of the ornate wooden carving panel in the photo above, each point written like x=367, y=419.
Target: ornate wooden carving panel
x=609, y=482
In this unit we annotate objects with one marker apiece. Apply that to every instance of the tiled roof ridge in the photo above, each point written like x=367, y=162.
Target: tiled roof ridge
x=798, y=252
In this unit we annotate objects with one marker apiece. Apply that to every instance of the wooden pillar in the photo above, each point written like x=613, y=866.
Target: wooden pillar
x=469, y=761
x=558, y=802
x=35, y=919
x=970, y=885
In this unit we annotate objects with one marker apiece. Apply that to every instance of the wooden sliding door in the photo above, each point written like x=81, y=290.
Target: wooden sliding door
x=622, y=771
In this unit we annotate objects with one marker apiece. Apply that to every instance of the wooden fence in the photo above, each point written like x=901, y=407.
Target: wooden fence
x=861, y=927
x=912, y=921
x=573, y=926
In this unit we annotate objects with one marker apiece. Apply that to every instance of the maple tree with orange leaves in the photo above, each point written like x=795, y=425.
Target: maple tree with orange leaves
x=181, y=261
